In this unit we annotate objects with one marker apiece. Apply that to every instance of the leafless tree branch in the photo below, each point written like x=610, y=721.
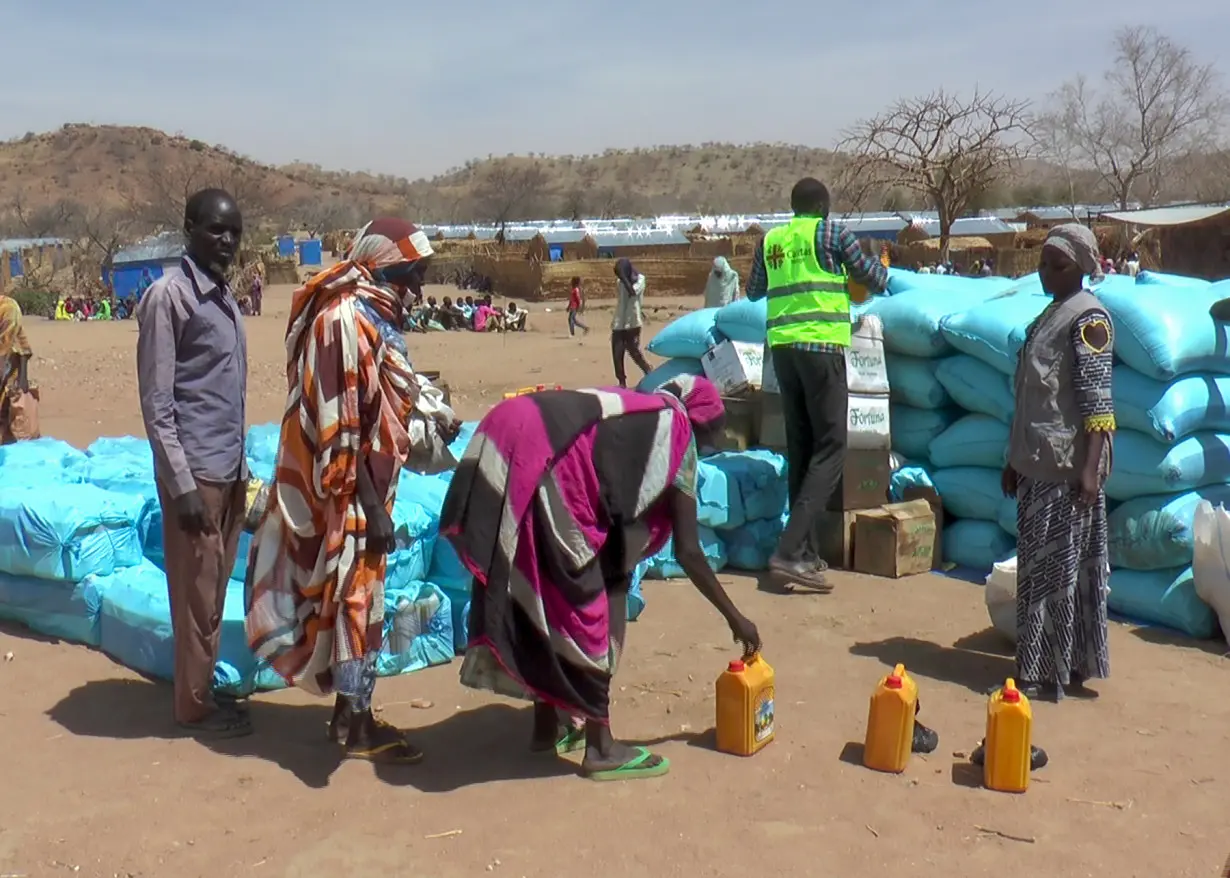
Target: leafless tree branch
x=945, y=149
x=1156, y=107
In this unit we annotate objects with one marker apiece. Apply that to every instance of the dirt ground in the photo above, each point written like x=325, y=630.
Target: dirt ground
x=95, y=781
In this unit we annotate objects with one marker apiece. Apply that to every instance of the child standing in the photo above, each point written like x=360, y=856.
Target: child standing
x=575, y=305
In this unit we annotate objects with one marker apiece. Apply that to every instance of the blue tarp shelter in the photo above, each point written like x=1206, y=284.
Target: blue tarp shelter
x=148, y=259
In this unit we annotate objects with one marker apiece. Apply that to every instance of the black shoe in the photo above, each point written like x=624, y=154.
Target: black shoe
x=1032, y=691
x=810, y=574
x=1037, y=756
x=925, y=739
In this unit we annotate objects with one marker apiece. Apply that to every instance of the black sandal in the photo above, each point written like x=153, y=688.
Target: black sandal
x=220, y=724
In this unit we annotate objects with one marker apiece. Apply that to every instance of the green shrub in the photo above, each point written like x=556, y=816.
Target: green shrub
x=34, y=301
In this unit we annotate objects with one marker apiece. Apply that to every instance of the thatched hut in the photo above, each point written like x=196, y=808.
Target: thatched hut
x=586, y=248
x=538, y=250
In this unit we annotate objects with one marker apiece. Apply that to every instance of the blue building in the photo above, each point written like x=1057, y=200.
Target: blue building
x=15, y=250
x=133, y=265
x=311, y=252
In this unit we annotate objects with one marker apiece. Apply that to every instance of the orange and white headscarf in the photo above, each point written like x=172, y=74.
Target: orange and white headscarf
x=382, y=243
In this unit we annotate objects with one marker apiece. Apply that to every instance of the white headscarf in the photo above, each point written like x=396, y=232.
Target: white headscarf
x=722, y=287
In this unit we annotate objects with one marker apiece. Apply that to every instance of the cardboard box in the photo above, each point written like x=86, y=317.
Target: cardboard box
x=865, y=479
x=866, y=372
x=772, y=432
x=736, y=367
x=835, y=534
x=932, y=496
x=868, y=428
x=739, y=429
x=896, y=540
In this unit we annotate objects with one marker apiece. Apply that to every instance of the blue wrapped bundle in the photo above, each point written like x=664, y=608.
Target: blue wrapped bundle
x=994, y=331
x=976, y=387
x=664, y=566
x=913, y=429
x=1174, y=410
x=688, y=336
x=975, y=440
x=1145, y=466
x=69, y=534
x=1155, y=533
x=976, y=545
x=970, y=491
x=912, y=381
x=418, y=629
x=1162, y=597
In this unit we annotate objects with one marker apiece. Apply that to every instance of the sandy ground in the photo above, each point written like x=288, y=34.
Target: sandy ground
x=95, y=782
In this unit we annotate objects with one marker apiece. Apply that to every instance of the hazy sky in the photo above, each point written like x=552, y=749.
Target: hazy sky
x=413, y=88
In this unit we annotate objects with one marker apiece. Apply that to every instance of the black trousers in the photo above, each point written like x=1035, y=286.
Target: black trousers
x=815, y=397
x=627, y=341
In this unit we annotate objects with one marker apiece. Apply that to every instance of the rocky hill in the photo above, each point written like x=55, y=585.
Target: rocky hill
x=138, y=178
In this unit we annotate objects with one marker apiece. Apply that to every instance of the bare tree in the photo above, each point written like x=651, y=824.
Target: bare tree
x=57, y=220
x=1156, y=106
x=167, y=188
x=941, y=147
x=509, y=189
x=574, y=204
x=325, y=214
x=104, y=230
x=1054, y=143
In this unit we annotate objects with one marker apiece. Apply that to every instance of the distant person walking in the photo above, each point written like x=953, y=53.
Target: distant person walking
x=803, y=269
x=256, y=291
x=576, y=304
x=627, y=323
x=192, y=373
x=722, y=287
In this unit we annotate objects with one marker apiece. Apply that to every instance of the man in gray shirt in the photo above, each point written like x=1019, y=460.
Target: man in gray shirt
x=192, y=373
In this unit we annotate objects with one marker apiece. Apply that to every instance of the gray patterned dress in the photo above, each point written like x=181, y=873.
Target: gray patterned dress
x=1063, y=567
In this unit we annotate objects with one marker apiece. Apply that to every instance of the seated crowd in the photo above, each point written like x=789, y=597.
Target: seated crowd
x=465, y=314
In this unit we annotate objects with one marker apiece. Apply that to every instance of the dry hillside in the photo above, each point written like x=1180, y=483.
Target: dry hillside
x=85, y=178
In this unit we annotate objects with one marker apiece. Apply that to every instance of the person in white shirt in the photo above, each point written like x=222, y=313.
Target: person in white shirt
x=627, y=323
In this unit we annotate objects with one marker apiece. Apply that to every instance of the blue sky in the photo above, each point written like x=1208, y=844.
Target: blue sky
x=412, y=88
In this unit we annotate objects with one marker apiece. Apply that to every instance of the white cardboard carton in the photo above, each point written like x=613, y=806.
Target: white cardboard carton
x=865, y=368
x=735, y=366
x=868, y=424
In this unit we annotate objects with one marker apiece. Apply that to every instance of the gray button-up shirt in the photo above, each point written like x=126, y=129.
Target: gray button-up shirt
x=192, y=370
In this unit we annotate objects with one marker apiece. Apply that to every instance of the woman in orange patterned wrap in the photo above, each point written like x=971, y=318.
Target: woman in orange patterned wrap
x=317, y=568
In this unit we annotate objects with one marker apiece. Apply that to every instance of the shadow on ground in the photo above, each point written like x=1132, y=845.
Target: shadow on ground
x=486, y=745
x=976, y=662
x=491, y=744
x=1164, y=637
x=290, y=736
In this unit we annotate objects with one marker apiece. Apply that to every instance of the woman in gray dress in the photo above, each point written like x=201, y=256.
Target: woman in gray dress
x=1060, y=455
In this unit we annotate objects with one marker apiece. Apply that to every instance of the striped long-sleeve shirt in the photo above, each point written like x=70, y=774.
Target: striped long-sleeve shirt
x=836, y=248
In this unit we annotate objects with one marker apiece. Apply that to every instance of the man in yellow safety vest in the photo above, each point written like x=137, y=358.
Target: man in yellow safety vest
x=803, y=268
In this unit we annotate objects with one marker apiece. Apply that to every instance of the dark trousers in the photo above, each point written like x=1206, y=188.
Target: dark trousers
x=814, y=405
x=627, y=341
x=574, y=322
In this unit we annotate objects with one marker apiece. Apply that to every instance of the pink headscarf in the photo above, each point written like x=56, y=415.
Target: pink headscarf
x=700, y=398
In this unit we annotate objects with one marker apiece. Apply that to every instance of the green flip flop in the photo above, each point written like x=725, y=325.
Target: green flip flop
x=572, y=741
x=633, y=769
